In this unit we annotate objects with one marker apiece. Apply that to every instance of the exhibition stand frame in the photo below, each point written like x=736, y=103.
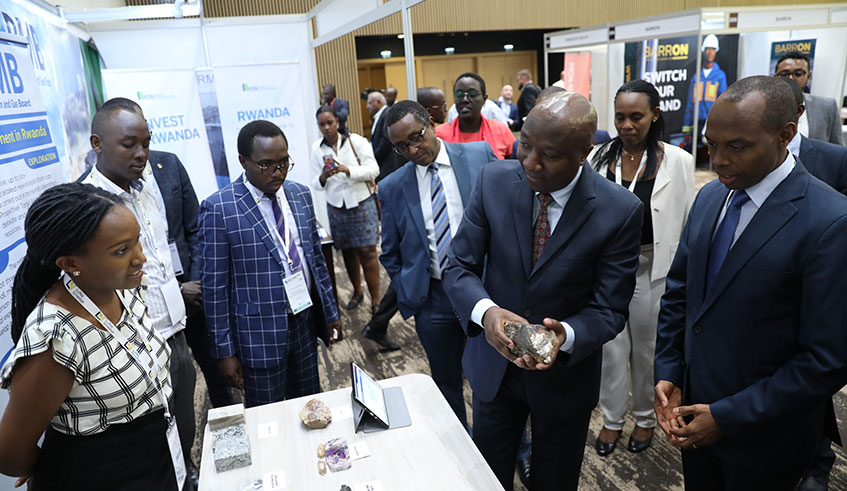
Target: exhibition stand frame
x=756, y=29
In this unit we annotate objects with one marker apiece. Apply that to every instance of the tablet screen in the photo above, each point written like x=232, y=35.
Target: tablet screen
x=369, y=393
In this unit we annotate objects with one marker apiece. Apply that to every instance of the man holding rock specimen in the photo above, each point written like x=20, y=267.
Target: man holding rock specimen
x=422, y=205
x=559, y=245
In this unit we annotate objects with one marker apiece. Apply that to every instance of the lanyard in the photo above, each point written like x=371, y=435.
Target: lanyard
x=618, y=178
x=132, y=349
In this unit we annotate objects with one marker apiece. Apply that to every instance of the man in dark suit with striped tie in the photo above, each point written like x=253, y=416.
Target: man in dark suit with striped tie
x=422, y=206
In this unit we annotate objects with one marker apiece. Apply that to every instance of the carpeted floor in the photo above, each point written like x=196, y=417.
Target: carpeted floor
x=658, y=468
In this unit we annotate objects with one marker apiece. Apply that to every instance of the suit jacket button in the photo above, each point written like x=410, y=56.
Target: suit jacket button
x=527, y=312
x=698, y=329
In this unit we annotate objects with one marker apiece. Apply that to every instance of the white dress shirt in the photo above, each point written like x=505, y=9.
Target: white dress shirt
x=794, y=144
x=343, y=191
x=267, y=210
x=455, y=207
x=758, y=193
x=164, y=299
x=554, y=213
x=377, y=115
x=803, y=124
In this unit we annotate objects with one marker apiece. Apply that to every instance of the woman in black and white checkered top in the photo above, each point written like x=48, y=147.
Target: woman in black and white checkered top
x=101, y=409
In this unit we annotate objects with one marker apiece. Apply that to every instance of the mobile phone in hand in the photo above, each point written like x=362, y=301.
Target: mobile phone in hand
x=329, y=162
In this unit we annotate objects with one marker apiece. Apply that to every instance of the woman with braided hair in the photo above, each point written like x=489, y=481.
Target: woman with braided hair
x=87, y=367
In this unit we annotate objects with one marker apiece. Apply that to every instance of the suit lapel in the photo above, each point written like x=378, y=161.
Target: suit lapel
x=577, y=210
x=807, y=150
x=460, y=170
x=409, y=185
x=296, y=205
x=521, y=203
x=775, y=212
x=250, y=209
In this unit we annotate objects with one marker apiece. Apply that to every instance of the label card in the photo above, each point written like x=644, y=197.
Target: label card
x=341, y=412
x=273, y=481
x=268, y=430
x=368, y=486
x=358, y=450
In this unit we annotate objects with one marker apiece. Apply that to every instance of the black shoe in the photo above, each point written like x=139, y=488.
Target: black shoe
x=379, y=338
x=813, y=482
x=355, y=300
x=523, y=471
x=636, y=446
x=603, y=448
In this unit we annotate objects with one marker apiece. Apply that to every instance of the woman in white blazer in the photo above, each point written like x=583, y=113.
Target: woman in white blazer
x=662, y=176
x=345, y=169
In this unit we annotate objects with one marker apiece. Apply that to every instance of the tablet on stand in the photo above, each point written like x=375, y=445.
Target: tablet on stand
x=375, y=408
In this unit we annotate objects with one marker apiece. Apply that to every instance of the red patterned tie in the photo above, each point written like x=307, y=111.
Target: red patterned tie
x=541, y=232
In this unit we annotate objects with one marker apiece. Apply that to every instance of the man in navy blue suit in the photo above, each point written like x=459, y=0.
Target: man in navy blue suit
x=267, y=293
x=751, y=343
x=558, y=244
x=422, y=206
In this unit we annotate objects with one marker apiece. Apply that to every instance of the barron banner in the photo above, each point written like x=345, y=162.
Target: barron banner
x=804, y=46
x=171, y=106
x=265, y=91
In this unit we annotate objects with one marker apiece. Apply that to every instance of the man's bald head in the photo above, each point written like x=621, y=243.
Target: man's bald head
x=433, y=99
x=376, y=101
x=571, y=113
x=390, y=96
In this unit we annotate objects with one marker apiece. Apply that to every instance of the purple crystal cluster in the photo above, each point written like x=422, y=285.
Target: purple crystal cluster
x=337, y=455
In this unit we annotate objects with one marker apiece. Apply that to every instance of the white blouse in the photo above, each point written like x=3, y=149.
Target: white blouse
x=343, y=190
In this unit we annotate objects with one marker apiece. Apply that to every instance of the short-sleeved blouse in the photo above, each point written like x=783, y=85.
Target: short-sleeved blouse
x=109, y=387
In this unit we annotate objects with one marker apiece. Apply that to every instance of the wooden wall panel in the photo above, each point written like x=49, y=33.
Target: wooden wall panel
x=336, y=64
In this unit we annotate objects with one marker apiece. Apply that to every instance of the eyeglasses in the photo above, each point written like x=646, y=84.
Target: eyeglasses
x=269, y=167
x=798, y=73
x=415, y=141
x=460, y=94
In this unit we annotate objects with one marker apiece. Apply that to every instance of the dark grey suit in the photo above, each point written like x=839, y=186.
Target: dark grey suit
x=824, y=120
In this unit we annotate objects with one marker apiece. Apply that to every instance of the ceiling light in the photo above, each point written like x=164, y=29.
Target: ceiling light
x=508, y=47
x=386, y=53
x=400, y=36
x=449, y=50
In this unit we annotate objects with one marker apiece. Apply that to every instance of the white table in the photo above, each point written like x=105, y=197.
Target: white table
x=434, y=453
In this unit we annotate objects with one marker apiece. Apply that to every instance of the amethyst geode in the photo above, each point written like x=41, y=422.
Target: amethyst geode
x=534, y=340
x=337, y=455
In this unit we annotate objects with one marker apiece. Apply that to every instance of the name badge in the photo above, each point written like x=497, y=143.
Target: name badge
x=175, y=259
x=176, y=453
x=174, y=301
x=297, y=292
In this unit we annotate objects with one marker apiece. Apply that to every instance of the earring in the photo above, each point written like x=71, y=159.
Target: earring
x=76, y=273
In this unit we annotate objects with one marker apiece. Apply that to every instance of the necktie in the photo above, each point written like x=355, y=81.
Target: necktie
x=440, y=218
x=723, y=237
x=293, y=255
x=541, y=231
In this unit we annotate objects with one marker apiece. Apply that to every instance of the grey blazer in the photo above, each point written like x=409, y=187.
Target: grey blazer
x=824, y=120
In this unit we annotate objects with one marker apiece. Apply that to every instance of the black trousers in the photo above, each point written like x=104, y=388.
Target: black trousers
x=703, y=471
x=558, y=445
x=197, y=337
x=387, y=309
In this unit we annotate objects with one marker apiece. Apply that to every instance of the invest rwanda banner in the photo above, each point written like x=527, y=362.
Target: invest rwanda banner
x=271, y=92
x=172, y=108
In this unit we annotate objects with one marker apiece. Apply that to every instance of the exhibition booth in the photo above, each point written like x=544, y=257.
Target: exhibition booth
x=668, y=50
x=199, y=80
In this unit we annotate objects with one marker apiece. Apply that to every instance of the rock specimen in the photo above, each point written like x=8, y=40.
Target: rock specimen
x=321, y=451
x=230, y=443
x=337, y=455
x=321, y=467
x=534, y=340
x=315, y=414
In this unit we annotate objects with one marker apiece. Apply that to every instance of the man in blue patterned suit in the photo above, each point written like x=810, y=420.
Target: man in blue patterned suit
x=266, y=288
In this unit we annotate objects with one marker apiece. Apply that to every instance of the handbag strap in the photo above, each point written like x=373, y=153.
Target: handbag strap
x=353, y=147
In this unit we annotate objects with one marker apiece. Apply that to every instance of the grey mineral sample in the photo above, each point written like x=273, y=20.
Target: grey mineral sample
x=315, y=414
x=534, y=340
x=231, y=447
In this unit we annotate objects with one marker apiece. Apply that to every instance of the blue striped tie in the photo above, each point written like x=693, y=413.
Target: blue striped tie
x=283, y=231
x=440, y=218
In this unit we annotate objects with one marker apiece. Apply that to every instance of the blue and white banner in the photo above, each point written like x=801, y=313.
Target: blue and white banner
x=29, y=164
x=172, y=108
x=266, y=91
